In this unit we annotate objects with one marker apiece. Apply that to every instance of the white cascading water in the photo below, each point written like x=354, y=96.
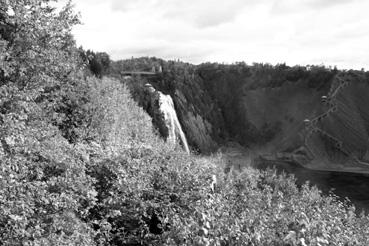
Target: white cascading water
x=171, y=120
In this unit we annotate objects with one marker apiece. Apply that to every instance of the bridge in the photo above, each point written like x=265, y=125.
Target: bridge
x=154, y=71
x=137, y=73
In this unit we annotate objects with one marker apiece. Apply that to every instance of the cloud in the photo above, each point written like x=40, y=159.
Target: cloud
x=206, y=13
x=190, y=52
x=127, y=5
x=293, y=6
x=295, y=32
x=319, y=4
x=202, y=14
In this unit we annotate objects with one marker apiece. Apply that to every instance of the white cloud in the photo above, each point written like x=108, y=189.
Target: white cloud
x=204, y=13
x=333, y=32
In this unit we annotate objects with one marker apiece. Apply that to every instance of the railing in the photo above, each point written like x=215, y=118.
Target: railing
x=142, y=73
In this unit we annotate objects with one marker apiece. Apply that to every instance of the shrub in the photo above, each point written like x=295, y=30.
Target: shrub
x=81, y=165
x=151, y=195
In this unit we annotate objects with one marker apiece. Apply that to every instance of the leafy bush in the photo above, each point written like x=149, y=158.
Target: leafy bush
x=81, y=165
x=113, y=118
x=150, y=195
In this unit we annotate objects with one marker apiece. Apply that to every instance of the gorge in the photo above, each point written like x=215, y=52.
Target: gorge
x=295, y=118
x=314, y=117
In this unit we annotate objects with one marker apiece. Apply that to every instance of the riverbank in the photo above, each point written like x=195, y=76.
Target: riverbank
x=354, y=186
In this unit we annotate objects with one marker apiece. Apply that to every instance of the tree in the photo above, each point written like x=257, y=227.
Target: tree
x=99, y=63
x=44, y=186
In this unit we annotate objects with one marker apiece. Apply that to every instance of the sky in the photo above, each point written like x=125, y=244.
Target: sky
x=315, y=32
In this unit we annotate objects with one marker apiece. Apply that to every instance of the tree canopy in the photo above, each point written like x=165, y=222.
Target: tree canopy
x=80, y=163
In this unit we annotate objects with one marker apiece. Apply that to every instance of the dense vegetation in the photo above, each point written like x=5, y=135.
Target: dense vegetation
x=81, y=164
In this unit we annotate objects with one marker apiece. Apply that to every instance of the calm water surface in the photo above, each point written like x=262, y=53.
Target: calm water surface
x=351, y=185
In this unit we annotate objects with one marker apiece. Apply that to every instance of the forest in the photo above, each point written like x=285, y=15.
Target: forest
x=82, y=164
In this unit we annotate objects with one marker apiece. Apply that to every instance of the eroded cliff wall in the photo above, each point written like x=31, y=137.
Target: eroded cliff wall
x=316, y=117
x=318, y=122
x=313, y=116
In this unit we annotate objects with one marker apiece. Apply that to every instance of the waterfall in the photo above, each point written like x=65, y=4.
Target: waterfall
x=171, y=120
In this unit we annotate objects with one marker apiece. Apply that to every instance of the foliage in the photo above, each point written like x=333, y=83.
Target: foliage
x=46, y=192
x=98, y=63
x=114, y=119
x=262, y=208
x=81, y=165
x=148, y=194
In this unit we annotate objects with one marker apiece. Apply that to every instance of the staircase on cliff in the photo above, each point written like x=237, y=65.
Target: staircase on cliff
x=334, y=106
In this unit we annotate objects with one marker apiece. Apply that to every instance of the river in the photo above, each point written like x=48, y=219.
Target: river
x=354, y=186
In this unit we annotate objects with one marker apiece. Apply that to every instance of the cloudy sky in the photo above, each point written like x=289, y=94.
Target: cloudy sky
x=330, y=32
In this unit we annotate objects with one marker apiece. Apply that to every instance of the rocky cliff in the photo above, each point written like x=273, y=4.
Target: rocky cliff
x=312, y=116
x=164, y=116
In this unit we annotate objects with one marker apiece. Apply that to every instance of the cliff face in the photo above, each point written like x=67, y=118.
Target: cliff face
x=164, y=116
x=320, y=122
x=315, y=117
x=262, y=107
x=198, y=113
x=338, y=138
